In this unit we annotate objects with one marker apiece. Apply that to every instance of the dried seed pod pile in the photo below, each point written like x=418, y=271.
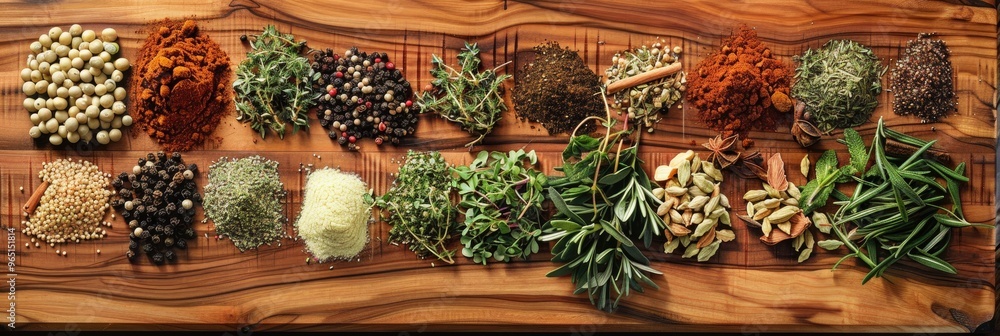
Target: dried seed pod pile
x=363, y=96
x=74, y=89
x=778, y=215
x=645, y=101
x=73, y=204
x=157, y=199
x=691, y=196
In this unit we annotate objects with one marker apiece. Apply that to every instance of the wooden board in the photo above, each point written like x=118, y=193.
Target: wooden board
x=747, y=287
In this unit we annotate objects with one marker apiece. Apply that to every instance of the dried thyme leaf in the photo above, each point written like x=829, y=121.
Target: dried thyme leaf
x=839, y=83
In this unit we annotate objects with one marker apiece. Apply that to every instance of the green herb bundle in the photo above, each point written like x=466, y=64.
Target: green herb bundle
x=502, y=195
x=839, y=83
x=419, y=205
x=604, y=202
x=896, y=208
x=274, y=84
x=470, y=97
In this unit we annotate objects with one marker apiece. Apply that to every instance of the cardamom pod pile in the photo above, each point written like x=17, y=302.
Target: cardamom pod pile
x=778, y=215
x=691, y=196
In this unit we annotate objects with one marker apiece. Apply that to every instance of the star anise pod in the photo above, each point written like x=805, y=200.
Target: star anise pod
x=724, y=151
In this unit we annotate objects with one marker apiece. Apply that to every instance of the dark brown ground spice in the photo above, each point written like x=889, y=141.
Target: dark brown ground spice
x=558, y=90
x=182, y=78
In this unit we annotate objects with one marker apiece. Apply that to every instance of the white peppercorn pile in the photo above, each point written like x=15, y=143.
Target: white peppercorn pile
x=72, y=83
x=243, y=199
x=72, y=207
x=157, y=199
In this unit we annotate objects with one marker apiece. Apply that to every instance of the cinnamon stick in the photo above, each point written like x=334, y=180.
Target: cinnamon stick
x=644, y=77
x=35, y=198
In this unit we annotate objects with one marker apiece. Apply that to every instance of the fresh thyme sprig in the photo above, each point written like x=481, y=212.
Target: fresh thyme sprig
x=274, y=85
x=469, y=97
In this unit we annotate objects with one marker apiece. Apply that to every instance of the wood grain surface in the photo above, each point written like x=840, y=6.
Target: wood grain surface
x=747, y=287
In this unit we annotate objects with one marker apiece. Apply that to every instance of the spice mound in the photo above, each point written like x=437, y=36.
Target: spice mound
x=157, y=199
x=73, y=86
x=839, y=83
x=558, y=90
x=182, y=83
x=648, y=97
x=364, y=96
x=741, y=87
x=466, y=95
x=922, y=80
x=243, y=199
x=419, y=206
x=335, y=214
x=72, y=206
x=274, y=84
x=693, y=206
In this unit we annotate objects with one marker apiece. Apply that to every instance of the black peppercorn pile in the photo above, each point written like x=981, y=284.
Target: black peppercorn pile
x=363, y=96
x=922, y=80
x=157, y=201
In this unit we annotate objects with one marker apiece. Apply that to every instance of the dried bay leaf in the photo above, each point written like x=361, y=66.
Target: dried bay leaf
x=776, y=173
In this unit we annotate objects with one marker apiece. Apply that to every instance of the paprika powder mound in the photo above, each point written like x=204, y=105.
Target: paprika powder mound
x=741, y=87
x=182, y=79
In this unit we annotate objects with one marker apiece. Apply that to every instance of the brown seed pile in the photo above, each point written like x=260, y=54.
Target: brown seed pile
x=558, y=90
x=922, y=80
x=72, y=207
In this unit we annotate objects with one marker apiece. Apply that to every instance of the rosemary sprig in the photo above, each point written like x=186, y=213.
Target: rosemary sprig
x=896, y=208
x=467, y=96
x=274, y=84
x=604, y=202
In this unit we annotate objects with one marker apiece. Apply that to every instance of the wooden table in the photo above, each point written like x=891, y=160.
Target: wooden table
x=747, y=287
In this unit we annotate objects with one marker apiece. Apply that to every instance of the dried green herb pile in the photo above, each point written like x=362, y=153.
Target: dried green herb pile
x=502, y=195
x=839, y=83
x=922, y=80
x=646, y=101
x=157, y=199
x=558, y=90
x=604, y=203
x=897, y=209
x=467, y=96
x=243, y=199
x=274, y=84
x=419, y=206
x=363, y=96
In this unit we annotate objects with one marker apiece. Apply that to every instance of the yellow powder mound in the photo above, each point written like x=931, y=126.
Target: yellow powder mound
x=334, y=218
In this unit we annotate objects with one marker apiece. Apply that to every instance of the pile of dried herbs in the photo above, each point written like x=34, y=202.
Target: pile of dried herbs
x=467, y=96
x=839, y=84
x=897, y=207
x=419, y=205
x=274, y=84
x=604, y=203
x=244, y=200
x=502, y=195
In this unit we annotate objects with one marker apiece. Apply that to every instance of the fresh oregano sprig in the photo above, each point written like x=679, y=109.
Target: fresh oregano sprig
x=604, y=203
x=419, y=206
x=895, y=210
x=502, y=195
x=469, y=97
x=274, y=84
